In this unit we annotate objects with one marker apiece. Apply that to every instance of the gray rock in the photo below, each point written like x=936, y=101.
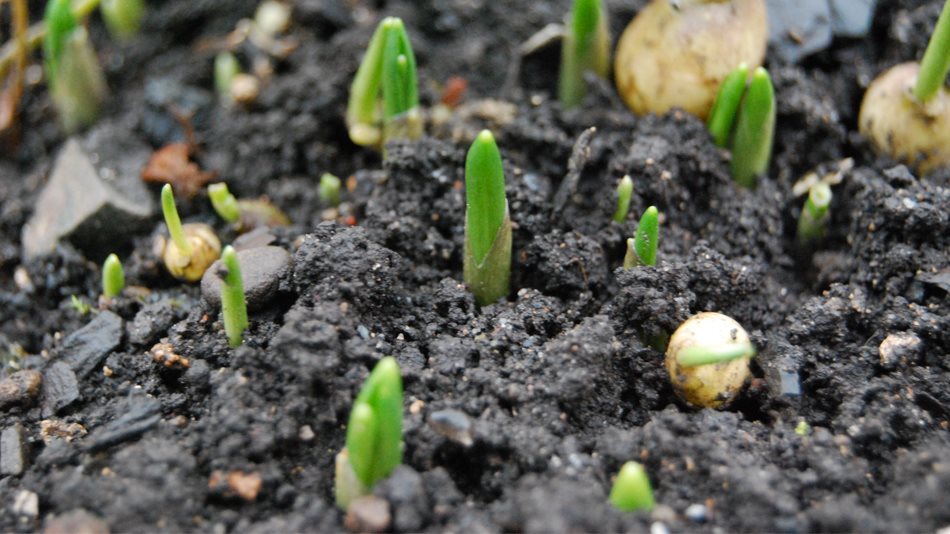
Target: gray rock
x=87, y=347
x=83, y=205
x=153, y=320
x=261, y=270
x=797, y=29
x=898, y=348
x=452, y=424
x=368, y=513
x=12, y=450
x=20, y=387
x=60, y=388
x=851, y=18
x=75, y=521
x=139, y=416
x=26, y=503
x=407, y=497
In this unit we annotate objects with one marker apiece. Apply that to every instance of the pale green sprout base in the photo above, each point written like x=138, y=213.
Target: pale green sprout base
x=631, y=491
x=755, y=128
x=329, y=190
x=223, y=202
x=226, y=67
x=80, y=86
x=489, y=280
x=641, y=251
x=113, y=277
x=233, y=305
x=697, y=355
x=586, y=47
x=813, y=221
x=624, y=192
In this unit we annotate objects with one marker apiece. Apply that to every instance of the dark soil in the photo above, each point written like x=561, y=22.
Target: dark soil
x=556, y=383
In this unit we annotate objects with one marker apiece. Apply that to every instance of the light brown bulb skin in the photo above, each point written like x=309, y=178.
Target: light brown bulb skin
x=205, y=249
x=714, y=385
x=897, y=124
x=676, y=53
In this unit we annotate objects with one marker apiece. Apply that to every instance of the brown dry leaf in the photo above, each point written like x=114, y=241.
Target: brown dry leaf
x=171, y=165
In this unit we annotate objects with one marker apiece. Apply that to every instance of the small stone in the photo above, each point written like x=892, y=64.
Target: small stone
x=235, y=484
x=60, y=388
x=452, y=424
x=261, y=270
x=55, y=429
x=81, y=206
x=851, y=18
x=663, y=514
x=368, y=513
x=20, y=387
x=798, y=29
x=658, y=528
x=407, y=497
x=12, y=450
x=139, y=415
x=898, y=348
x=696, y=513
x=153, y=320
x=26, y=503
x=76, y=522
x=306, y=433
x=86, y=348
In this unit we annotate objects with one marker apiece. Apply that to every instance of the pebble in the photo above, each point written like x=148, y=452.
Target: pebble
x=20, y=387
x=76, y=522
x=368, y=513
x=85, y=349
x=60, y=388
x=696, y=513
x=79, y=206
x=851, y=18
x=13, y=452
x=152, y=321
x=261, y=270
x=26, y=503
x=897, y=348
x=452, y=424
x=235, y=483
x=797, y=29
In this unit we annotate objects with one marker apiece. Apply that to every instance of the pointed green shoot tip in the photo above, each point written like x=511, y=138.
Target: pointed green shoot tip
x=624, y=192
x=813, y=221
x=632, y=491
x=78, y=86
x=374, y=435
x=223, y=202
x=113, y=277
x=173, y=222
x=641, y=251
x=329, y=190
x=361, y=114
x=585, y=47
x=60, y=22
x=723, y=112
x=226, y=67
x=697, y=355
x=752, y=144
x=486, y=205
x=936, y=61
x=123, y=17
x=400, y=84
x=233, y=305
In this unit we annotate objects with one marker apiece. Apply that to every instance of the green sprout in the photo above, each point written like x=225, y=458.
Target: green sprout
x=173, y=222
x=373, y=435
x=113, y=278
x=77, y=84
x=233, y=305
x=81, y=306
x=632, y=491
x=697, y=355
x=723, y=112
x=802, y=428
x=585, y=48
x=642, y=249
x=936, y=61
x=226, y=67
x=487, y=256
x=389, y=67
x=755, y=128
x=813, y=221
x=624, y=192
x=329, y=190
x=223, y=202
x=122, y=17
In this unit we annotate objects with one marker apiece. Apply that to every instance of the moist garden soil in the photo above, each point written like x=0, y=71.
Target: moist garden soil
x=518, y=414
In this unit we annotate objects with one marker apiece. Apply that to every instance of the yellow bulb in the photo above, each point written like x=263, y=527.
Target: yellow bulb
x=205, y=246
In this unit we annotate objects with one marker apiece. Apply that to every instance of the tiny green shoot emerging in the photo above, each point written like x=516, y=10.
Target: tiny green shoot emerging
x=329, y=190
x=193, y=247
x=113, y=277
x=226, y=67
x=632, y=491
x=697, y=355
x=723, y=113
x=585, y=48
x=123, y=17
x=642, y=249
x=624, y=192
x=813, y=221
x=223, y=202
x=936, y=61
x=233, y=305
x=173, y=222
x=373, y=435
x=755, y=127
x=487, y=256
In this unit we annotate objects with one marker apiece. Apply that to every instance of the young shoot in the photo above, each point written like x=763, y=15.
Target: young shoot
x=329, y=190
x=708, y=360
x=641, y=250
x=487, y=256
x=76, y=82
x=245, y=215
x=123, y=17
x=813, y=221
x=755, y=128
x=226, y=68
x=233, y=305
x=723, y=113
x=373, y=435
x=631, y=491
x=904, y=110
x=585, y=48
x=223, y=202
x=624, y=192
x=192, y=248
x=113, y=277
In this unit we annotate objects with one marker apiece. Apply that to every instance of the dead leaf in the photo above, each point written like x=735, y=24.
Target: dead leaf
x=171, y=165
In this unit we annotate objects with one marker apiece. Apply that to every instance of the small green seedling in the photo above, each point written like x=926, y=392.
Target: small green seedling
x=329, y=190
x=642, y=249
x=487, y=256
x=233, y=305
x=113, y=277
x=223, y=202
x=813, y=221
x=802, y=428
x=373, y=435
x=192, y=248
x=81, y=306
x=123, y=17
x=936, y=62
x=226, y=68
x=632, y=491
x=723, y=113
x=246, y=214
x=389, y=67
x=76, y=82
x=586, y=47
x=624, y=192
x=755, y=128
